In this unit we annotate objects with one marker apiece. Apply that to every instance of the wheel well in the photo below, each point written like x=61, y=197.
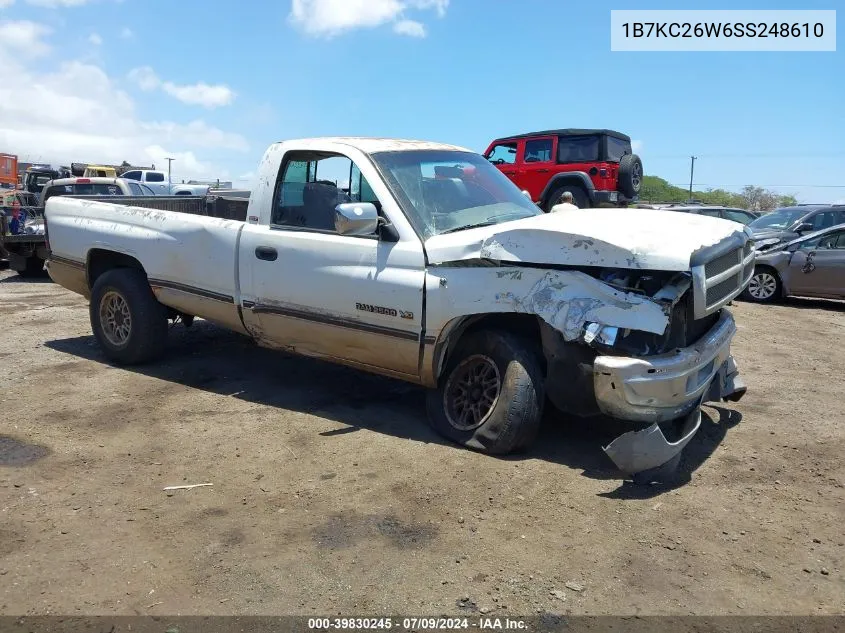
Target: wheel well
x=101, y=261
x=571, y=183
x=527, y=326
x=774, y=271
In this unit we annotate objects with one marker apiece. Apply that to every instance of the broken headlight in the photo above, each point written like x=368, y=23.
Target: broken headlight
x=603, y=335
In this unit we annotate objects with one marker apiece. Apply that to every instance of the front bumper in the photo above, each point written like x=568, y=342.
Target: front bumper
x=669, y=387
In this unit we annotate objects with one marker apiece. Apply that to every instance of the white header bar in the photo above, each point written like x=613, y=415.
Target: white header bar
x=722, y=30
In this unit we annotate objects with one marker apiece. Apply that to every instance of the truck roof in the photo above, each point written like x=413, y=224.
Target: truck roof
x=567, y=132
x=372, y=145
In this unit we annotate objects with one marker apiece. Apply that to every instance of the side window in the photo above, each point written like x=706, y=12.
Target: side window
x=155, y=176
x=132, y=175
x=576, y=149
x=312, y=185
x=738, y=216
x=135, y=189
x=831, y=241
x=824, y=220
x=538, y=151
x=713, y=213
x=359, y=188
x=503, y=154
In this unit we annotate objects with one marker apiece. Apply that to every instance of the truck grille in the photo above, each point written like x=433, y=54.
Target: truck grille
x=722, y=278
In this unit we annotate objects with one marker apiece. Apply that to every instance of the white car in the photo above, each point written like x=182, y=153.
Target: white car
x=423, y=262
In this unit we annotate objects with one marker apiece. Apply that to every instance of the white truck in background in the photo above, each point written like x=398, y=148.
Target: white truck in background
x=423, y=262
x=161, y=185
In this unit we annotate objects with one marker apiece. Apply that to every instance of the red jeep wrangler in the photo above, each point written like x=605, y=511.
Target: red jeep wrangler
x=596, y=166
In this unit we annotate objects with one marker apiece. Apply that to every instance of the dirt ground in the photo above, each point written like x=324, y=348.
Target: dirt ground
x=331, y=495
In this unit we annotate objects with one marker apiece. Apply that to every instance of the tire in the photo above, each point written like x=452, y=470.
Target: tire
x=765, y=286
x=511, y=422
x=125, y=291
x=630, y=176
x=579, y=197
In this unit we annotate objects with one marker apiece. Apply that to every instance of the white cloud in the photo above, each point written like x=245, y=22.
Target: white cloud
x=636, y=146
x=145, y=77
x=95, y=39
x=126, y=33
x=333, y=17
x=201, y=93
x=76, y=113
x=411, y=28
x=6, y=3
x=24, y=38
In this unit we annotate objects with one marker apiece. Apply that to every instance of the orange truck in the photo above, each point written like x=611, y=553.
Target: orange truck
x=8, y=171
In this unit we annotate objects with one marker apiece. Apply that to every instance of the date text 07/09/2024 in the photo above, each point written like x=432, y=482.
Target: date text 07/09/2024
x=418, y=624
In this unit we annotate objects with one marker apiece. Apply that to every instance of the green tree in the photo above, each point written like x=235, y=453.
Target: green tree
x=658, y=190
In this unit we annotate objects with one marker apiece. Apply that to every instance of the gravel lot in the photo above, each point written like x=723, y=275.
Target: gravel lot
x=331, y=495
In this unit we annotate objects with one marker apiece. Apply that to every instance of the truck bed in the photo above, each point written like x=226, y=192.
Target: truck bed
x=224, y=207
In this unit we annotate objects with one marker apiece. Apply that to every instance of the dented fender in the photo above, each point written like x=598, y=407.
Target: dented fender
x=566, y=300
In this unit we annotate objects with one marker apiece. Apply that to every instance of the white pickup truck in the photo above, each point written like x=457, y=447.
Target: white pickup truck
x=161, y=185
x=423, y=262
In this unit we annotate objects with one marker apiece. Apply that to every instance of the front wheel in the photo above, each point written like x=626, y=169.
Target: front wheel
x=128, y=322
x=491, y=394
x=764, y=287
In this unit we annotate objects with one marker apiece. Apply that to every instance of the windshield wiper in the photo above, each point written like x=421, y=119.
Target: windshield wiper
x=469, y=226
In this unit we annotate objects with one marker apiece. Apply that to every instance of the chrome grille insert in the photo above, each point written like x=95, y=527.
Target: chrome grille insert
x=719, y=280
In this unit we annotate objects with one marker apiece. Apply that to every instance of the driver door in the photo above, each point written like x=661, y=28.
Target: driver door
x=311, y=290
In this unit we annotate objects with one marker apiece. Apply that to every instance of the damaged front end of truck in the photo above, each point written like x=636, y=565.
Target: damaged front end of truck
x=637, y=333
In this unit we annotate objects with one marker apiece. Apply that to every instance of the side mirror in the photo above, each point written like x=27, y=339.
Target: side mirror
x=356, y=218
x=804, y=227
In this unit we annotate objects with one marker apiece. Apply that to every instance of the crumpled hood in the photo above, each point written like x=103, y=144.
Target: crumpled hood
x=614, y=238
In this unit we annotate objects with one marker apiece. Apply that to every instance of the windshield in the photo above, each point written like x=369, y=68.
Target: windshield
x=445, y=190
x=779, y=219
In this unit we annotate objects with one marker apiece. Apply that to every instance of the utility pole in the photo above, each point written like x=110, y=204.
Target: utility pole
x=170, y=160
x=691, y=172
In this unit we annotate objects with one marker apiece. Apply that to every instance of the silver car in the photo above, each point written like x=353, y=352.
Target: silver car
x=811, y=266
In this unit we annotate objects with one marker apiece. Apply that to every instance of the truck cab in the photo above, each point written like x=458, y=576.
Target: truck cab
x=154, y=179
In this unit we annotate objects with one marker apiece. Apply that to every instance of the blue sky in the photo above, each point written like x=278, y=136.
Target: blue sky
x=214, y=82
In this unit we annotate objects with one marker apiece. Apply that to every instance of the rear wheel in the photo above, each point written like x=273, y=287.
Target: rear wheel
x=764, y=287
x=491, y=394
x=128, y=322
x=579, y=197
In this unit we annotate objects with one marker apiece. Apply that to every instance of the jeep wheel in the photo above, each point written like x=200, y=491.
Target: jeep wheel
x=630, y=175
x=579, y=197
x=491, y=394
x=128, y=322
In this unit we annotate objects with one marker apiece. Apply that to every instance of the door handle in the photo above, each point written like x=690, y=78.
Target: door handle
x=267, y=253
x=542, y=171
